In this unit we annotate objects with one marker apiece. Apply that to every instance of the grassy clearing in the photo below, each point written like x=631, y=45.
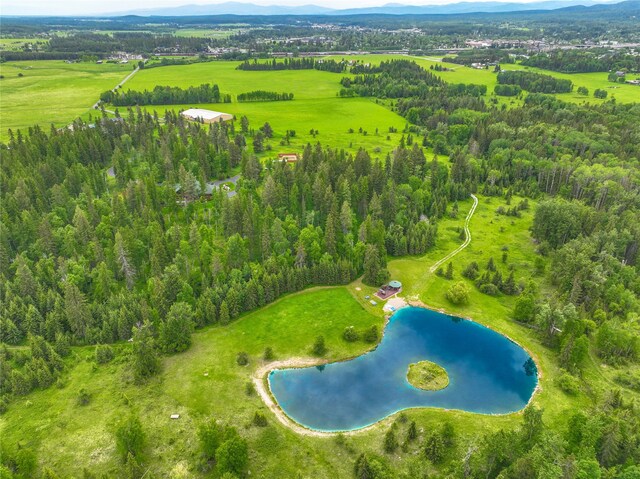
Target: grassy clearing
x=70, y=437
x=18, y=44
x=427, y=375
x=331, y=117
x=52, y=91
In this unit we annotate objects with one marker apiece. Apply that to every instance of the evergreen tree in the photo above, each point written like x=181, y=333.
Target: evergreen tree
x=144, y=357
x=175, y=331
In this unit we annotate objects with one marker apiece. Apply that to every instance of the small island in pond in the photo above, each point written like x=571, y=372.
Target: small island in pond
x=427, y=375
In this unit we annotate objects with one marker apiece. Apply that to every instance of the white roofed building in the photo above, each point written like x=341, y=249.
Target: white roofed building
x=206, y=116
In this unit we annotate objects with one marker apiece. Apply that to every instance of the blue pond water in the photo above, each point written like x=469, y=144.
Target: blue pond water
x=488, y=374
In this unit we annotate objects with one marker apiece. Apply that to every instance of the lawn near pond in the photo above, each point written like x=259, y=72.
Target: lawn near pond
x=70, y=436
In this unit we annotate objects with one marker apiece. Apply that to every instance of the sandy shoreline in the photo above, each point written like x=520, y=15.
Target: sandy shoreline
x=260, y=382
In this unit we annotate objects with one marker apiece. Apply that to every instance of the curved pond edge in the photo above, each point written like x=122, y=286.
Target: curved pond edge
x=262, y=385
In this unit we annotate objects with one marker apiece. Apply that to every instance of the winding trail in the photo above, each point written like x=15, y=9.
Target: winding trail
x=467, y=240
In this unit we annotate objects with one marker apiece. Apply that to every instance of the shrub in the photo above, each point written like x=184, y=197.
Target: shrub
x=104, y=353
x=598, y=93
x=259, y=420
x=233, y=456
x=490, y=289
x=350, y=334
x=242, y=358
x=568, y=383
x=319, y=347
x=371, y=335
x=249, y=389
x=434, y=448
x=210, y=438
x=83, y=397
x=458, y=293
x=390, y=441
x=129, y=437
x=268, y=354
x=471, y=271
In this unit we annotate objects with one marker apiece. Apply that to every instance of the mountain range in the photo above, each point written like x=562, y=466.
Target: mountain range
x=239, y=8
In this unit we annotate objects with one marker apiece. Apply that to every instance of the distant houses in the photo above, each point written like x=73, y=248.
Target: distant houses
x=206, y=116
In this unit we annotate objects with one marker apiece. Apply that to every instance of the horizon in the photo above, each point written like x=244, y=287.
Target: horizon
x=44, y=8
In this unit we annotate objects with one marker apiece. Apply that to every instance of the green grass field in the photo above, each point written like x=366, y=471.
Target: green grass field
x=52, y=91
x=17, y=44
x=206, y=32
x=462, y=74
x=69, y=437
x=315, y=105
x=57, y=92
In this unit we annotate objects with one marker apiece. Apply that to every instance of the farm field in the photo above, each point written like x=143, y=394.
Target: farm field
x=52, y=91
x=206, y=32
x=16, y=44
x=463, y=74
x=315, y=104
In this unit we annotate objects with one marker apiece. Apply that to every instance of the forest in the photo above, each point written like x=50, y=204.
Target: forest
x=535, y=82
x=166, y=95
x=583, y=61
x=294, y=64
x=261, y=95
x=149, y=255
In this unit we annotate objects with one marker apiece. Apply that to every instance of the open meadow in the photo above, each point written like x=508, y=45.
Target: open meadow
x=315, y=106
x=462, y=74
x=52, y=91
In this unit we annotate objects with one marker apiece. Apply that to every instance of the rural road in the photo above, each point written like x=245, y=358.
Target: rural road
x=125, y=80
x=467, y=234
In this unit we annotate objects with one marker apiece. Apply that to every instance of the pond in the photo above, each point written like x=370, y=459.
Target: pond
x=488, y=374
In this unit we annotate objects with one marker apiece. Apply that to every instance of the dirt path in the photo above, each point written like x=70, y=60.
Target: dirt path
x=96, y=105
x=467, y=240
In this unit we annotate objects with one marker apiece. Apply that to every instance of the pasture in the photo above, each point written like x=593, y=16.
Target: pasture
x=12, y=44
x=462, y=74
x=52, y=91
x=315, y=106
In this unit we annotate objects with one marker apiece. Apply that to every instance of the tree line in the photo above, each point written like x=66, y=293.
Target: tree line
x=261, y=95
x=166, y=95
x=584, y=61
x=535, y=82
x=294, y=64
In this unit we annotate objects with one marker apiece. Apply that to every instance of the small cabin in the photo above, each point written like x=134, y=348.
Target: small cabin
x=288, y=157
x=388, y=290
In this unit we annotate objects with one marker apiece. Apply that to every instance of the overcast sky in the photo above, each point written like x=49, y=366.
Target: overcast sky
x=88, y=7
